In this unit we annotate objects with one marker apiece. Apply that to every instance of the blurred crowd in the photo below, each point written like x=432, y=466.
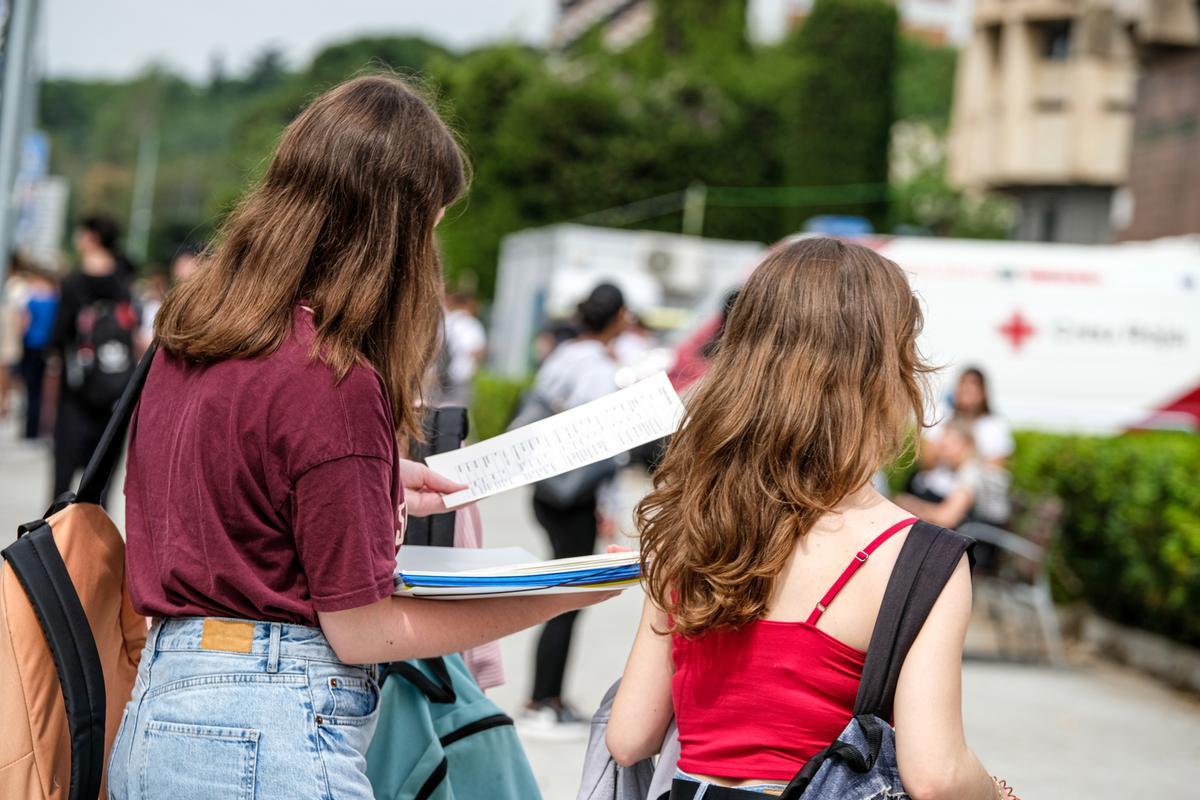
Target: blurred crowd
x=69, y=342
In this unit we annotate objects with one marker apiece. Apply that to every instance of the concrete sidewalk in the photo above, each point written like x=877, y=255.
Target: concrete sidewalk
x=1092, y=732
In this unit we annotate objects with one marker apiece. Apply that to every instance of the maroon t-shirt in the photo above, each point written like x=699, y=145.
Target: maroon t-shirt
x=261, y=488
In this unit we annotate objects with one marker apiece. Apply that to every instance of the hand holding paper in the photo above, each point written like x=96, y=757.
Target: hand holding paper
x=425, y=490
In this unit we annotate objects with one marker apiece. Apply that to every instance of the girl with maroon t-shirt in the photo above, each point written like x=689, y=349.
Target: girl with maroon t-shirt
x=266, y=495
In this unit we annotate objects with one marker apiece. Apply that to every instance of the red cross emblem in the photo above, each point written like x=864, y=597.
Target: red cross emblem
x=1017, y=330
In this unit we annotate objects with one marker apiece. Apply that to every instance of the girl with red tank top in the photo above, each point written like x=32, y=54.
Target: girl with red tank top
x=766, y=550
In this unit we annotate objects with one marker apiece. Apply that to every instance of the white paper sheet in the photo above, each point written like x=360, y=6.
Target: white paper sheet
x=648, y=410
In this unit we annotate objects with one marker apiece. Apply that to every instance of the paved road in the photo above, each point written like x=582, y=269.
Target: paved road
x=1092, y=732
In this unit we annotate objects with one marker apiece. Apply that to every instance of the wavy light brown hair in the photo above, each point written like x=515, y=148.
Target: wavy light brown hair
x=815, y=383
x=344, y=221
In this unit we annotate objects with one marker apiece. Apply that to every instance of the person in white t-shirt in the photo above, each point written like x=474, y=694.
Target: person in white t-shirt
x=992, y=435
x=953, y=487
x=466, y=344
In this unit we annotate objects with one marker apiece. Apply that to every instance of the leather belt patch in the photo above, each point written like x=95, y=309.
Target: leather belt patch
x=230, y=636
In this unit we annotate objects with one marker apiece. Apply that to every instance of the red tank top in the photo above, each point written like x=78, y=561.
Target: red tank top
x=760, y=701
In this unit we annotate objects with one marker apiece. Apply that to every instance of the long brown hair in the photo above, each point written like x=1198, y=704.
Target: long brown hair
x=815, y=383
x=343, y=220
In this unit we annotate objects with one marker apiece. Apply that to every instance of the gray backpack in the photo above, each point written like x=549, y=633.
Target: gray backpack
x=861, y=763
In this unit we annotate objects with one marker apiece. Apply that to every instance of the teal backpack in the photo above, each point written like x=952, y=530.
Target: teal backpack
x=440, y=738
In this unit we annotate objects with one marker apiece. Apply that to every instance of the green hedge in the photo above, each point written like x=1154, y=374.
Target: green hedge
x=494, y=402
x=1130, y=543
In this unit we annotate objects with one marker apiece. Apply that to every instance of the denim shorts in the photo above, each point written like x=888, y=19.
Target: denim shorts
x=757, y=788
x=243, y=710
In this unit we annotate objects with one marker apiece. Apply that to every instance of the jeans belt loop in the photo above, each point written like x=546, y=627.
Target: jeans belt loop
x=156, y=627
x=273, y=648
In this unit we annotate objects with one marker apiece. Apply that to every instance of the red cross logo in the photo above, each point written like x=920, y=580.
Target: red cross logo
x=1017, y=329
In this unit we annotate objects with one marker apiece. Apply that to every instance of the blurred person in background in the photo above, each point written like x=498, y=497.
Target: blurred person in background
x=964, y=465
x=95, y=335
x=968, y=487
x=185, y=263
x=551, y=335
x=465, y=346
x=576, y=372
x=41, y=306
x=12, y=328
x=971, y=406
x=633, y=344
x=149, y=293
x=695, y=353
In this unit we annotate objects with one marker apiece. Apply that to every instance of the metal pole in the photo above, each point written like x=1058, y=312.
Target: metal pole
x=693, y=209
x=142, y=210
x=18, y=80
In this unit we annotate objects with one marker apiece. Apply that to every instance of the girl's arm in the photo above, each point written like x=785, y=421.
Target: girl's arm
x=642, y=710
x=948, y=513
x=399, y=628
x=931, y=748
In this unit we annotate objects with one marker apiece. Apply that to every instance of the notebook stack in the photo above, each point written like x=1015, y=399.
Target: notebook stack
x=453, y=573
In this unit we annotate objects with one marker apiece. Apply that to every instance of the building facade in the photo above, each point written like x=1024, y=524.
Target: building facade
x=1087, y=112
x=1043, y=110
x=621, y=22
x=1164, y=167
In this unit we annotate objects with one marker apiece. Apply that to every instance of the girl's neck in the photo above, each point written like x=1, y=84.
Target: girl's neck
x=862, y=498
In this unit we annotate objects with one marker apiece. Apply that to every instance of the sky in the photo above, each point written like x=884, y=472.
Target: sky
x=118, y=38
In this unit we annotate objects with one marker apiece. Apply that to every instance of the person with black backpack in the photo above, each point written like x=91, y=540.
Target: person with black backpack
x=805, y=632
x=94, y=336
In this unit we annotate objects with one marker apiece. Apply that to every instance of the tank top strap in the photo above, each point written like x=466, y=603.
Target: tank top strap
x=860, y=558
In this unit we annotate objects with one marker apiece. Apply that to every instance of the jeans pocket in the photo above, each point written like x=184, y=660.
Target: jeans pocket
x=189, y=762
x=353, y=697
x=343, y=699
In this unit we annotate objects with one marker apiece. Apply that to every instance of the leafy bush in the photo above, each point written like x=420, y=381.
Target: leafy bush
x=843, y=107
x=1130, y=543
x=493, y=403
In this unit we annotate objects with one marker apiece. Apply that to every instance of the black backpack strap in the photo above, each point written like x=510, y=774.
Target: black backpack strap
x=445, y=429
x=922, y=569
x=104, y=460
x=39, y=568
x=438, y=689
x=926, y=562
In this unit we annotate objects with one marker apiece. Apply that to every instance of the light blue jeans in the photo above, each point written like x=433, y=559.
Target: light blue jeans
x=242, y=710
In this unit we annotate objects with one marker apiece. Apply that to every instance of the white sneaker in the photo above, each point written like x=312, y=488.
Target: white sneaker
x=549, y=723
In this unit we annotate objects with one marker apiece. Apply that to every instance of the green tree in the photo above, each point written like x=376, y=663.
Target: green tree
x=408, y=55
x=842, y=109
x=925, y=81
x=267, y=70
x=699, y=30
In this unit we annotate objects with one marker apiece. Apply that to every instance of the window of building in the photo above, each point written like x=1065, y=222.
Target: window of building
x=1054, y=39
x=1050, y=221
x=992, y=33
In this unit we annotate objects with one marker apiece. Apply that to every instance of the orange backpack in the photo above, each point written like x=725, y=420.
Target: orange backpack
x=69, y=638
